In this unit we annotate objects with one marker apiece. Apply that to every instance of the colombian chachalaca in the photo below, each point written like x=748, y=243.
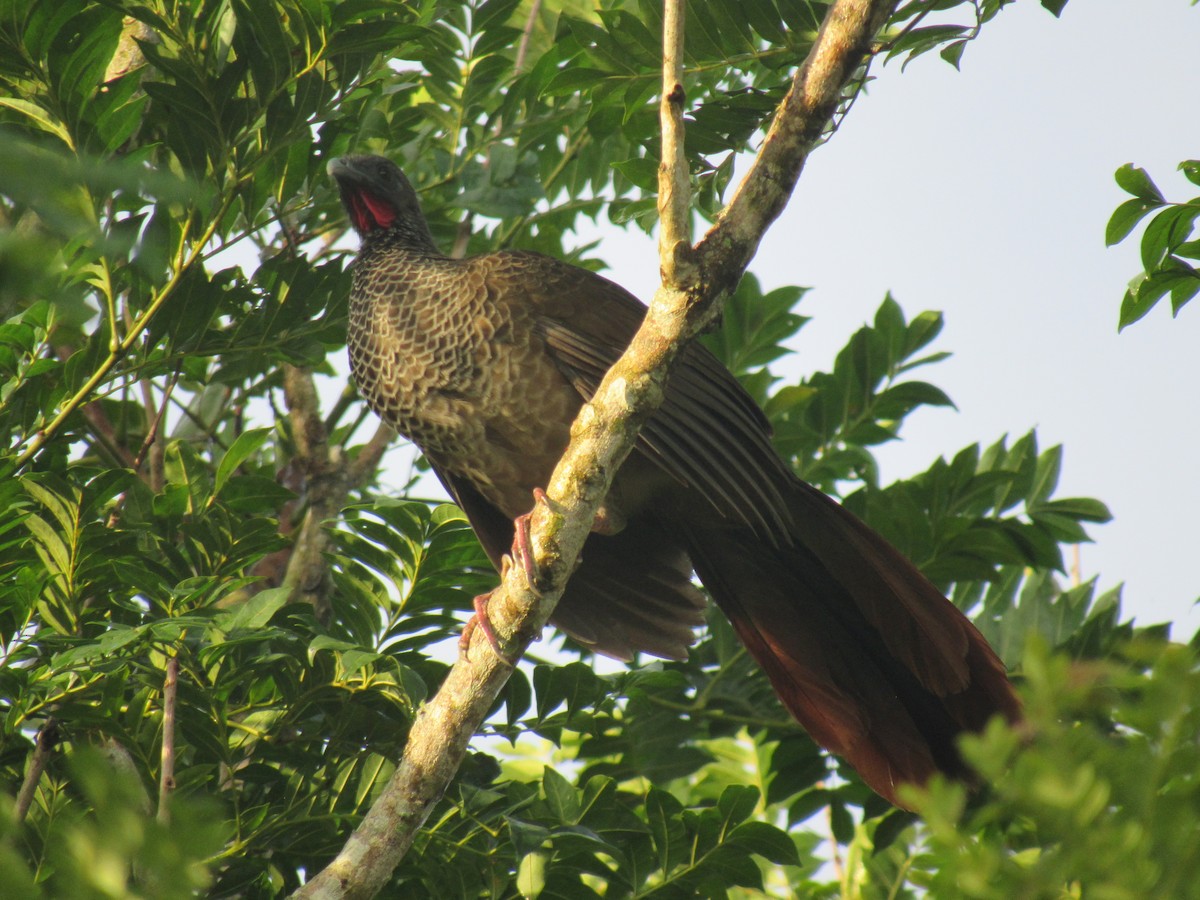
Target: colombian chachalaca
x=484, y=362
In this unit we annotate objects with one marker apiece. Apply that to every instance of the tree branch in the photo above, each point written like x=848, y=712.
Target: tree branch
x=47, y=738
x=325, y=487
x=166, y=778
x=605, y=430
x=842, y=44
x=674, y=184
x=364, y=465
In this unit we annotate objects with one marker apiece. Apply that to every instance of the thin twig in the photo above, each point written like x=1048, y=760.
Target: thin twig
x=153, y=442
x=462, y=237
x=47, y=739
x=674, y=185
x=835, y=849
x=344, y=401
x=367, y=461
x=526, y=33
x=166, y=778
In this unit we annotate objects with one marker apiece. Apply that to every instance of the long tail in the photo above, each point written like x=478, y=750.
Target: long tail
x=869, y=657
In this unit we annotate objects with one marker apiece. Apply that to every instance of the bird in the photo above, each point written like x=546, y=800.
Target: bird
x=483, y=363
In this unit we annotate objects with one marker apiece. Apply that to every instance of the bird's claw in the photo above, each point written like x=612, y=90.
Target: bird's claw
x=481, y=621
x=522, y=548
x=522, y=552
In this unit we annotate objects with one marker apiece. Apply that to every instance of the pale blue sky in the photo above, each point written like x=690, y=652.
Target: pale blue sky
x=984, y=194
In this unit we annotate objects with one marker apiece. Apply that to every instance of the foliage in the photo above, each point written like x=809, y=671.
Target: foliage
x=170, y=271
x=1168, y=242
x=1103, y=799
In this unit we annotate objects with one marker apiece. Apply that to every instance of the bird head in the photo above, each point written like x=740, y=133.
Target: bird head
x=377, y=196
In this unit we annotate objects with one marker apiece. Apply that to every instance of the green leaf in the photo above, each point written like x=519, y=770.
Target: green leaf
x=767, y=841
x=1084, y=508
x=40, y=117
x=492, y=14
x=952, y=53
x=1133, y=308
x=254, y=494
x=56, y=549
x=526, y=837
x=666, y=828
x=841, y=823
x=641, y=171
x=1045, y=478
x=255, y=612
x=247, y=444
x=1125, y=219
x=1165, y=232
x=908, y=395
x=738, y=802
x=531, y=874
x=764, y=18
x=574, y=79
x=561, y=797
x=1135, y=181
x=263, y=43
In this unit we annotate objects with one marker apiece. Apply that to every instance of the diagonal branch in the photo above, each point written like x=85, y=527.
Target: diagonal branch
x=607, y=426
x=842, y=44
x=47, y=738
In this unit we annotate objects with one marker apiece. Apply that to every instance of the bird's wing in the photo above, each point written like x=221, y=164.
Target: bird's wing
x=709, y=434
x=632, y=592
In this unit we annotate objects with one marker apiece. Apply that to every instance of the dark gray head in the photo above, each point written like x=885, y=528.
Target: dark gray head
x=378, y=198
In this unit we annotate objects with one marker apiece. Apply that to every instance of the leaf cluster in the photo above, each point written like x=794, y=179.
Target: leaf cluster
x=1098, y=799
x=1168, y=243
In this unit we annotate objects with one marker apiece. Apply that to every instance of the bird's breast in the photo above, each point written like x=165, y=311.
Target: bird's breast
x=471, y=384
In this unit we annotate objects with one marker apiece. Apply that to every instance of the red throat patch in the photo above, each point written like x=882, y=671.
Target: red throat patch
x=370, y=212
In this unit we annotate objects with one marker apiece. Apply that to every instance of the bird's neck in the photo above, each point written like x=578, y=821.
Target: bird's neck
x=403, y=235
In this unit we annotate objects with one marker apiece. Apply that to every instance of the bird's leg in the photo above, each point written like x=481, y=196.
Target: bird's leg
x=522, y=551
x=522, y=547
x=480, y=620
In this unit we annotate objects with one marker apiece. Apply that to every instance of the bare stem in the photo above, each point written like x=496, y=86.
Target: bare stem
x=47, y=738
x=368, y=458
x=674, y=187
x=153, y=443
x=166, y=778
x=523, y=48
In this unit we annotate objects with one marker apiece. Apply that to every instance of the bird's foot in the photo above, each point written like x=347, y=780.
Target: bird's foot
x=481, y=621
x=522, y=548
x=522, y=553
